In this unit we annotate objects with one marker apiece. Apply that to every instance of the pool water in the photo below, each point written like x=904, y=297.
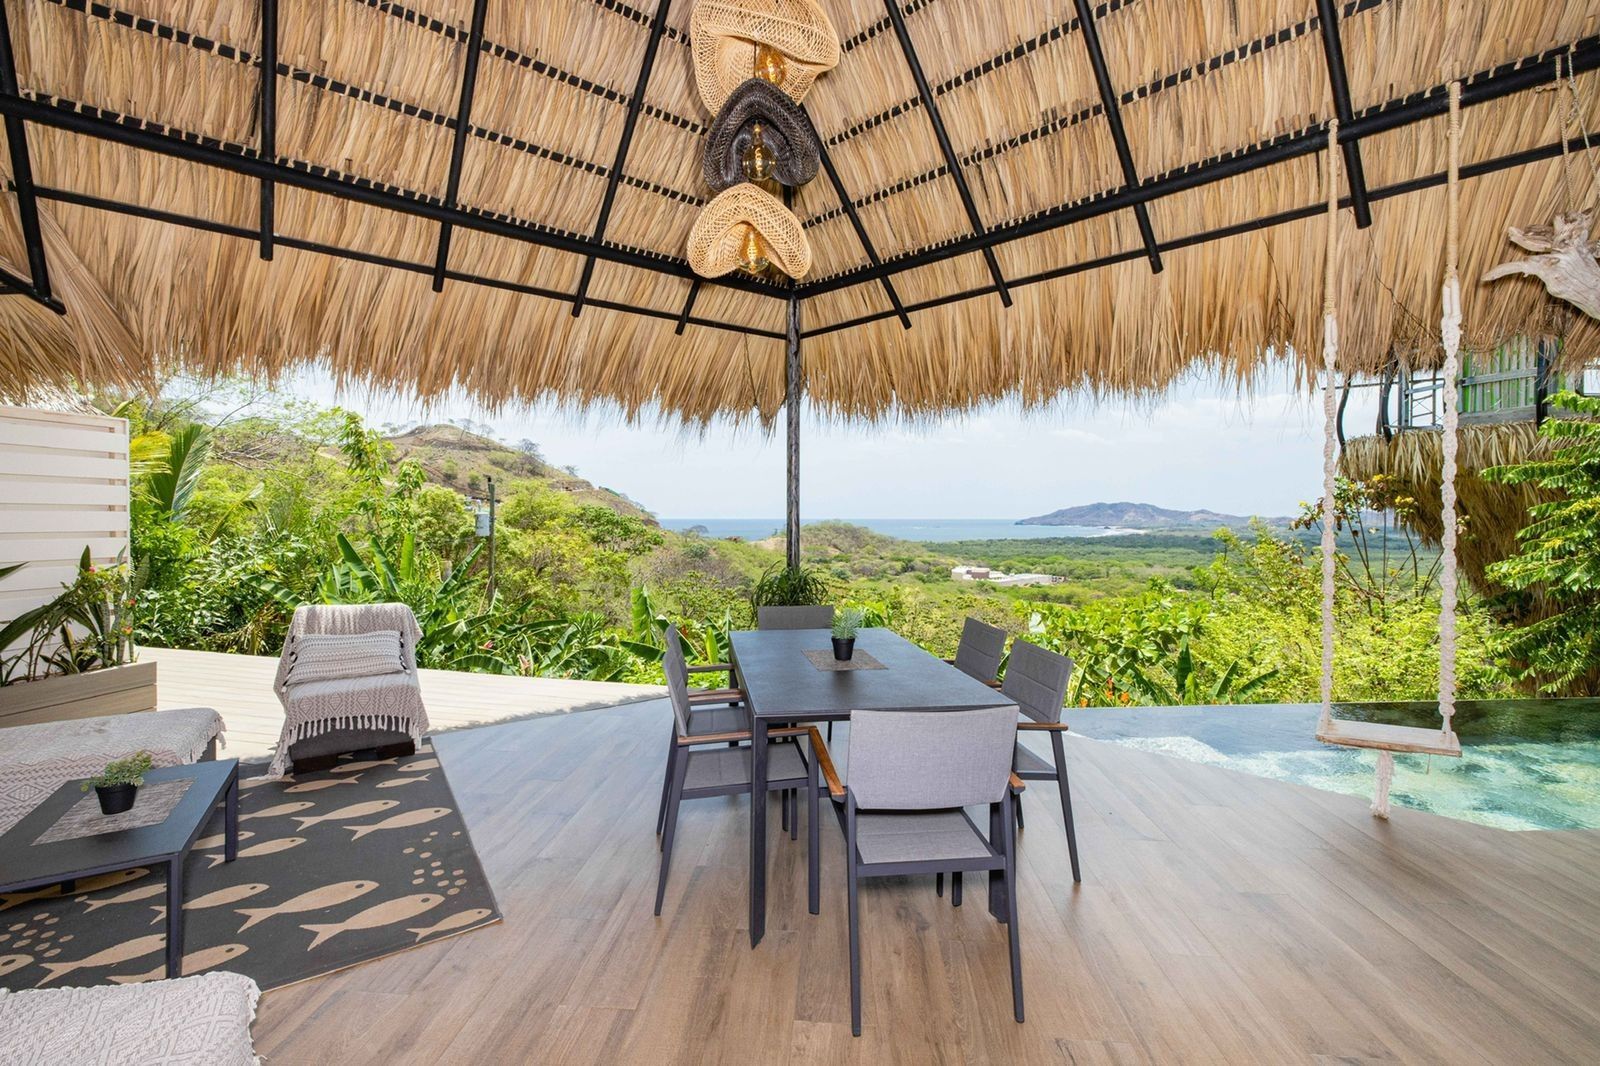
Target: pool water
x=1525, y=764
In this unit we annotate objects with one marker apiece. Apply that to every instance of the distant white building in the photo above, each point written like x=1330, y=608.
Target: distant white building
x=984, y=573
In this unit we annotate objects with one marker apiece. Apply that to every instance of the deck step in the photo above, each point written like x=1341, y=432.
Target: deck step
x=1421, y=740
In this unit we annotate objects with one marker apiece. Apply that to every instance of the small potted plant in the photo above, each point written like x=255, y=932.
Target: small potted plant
x=118, y=784
x=846, y=623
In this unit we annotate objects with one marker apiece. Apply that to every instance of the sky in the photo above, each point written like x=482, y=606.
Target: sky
x=1200, y=446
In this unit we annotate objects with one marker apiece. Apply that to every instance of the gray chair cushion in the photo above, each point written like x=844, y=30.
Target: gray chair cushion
x=917, y=836
x=1030, y=762
x=930, y=760
x=794, y=617
x=729, y=767
x=1037, y=680
x=981, y=649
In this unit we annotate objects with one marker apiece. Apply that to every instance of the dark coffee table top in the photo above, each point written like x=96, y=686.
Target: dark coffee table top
x=24, y=864
x=782, y=684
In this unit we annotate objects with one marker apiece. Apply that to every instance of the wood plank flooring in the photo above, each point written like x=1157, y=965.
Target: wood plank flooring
x=240, y=688
x=1222, y=919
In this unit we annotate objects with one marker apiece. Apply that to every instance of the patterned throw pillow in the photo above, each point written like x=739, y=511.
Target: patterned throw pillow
x=334, y=656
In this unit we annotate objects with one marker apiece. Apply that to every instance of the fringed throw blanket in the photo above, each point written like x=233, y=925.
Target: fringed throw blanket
x=391, y=701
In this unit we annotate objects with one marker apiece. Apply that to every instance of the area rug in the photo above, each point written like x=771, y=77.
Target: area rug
x=334, y=869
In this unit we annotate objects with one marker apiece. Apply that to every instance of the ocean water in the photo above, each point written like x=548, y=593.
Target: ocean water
x=1525, y=764
x=918, y=529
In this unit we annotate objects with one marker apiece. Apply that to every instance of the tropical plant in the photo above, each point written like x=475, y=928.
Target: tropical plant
x=172, y=479
x=847, y=622
x=1385, y=562
x=125, y=771
x=790, y=586
x=1559, y=554
x=87, y=627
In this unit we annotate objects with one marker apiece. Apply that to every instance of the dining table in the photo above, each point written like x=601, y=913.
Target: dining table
x=785, y=685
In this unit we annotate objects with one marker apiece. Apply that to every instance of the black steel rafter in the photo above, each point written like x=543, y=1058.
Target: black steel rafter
x=1339, y=83
x=1505, y=79
x=458, y=148
x=22, y=180
x=898, y=20
x=228, y=229
x=269, y=115
x=140, y=133
x=1119, y=136
x=1583, y=142
x=688, y=306
x=849, y=207
x=635, y=102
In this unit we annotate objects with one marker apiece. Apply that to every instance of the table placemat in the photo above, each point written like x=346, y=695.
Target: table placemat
x=151, y=807
x=822, y=659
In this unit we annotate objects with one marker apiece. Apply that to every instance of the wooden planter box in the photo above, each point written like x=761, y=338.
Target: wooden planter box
x=116, y=690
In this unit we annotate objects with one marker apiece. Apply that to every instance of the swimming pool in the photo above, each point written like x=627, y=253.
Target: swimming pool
x=1525, y=764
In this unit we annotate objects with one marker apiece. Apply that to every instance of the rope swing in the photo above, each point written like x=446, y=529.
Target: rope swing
x=1388, y=739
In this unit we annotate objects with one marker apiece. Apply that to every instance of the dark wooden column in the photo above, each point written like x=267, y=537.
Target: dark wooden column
x=793, y=392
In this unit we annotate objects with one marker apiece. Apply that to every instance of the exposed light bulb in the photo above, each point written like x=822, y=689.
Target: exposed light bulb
x=770, y=66
x=753, y=255
x=758, y=158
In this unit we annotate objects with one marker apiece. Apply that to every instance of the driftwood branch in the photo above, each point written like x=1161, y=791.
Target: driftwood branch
x=1565, y=261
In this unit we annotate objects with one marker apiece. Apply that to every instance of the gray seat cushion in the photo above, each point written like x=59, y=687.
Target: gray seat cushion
x=1031, y=762
x=727, y=767
x=917, y=836
x=704, y=720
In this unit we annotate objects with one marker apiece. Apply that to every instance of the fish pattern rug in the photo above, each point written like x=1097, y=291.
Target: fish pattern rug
x=334, y=868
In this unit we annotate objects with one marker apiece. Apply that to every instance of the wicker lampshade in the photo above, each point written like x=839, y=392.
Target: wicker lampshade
x=783, y=131
x=716, y=242
x=726, y=34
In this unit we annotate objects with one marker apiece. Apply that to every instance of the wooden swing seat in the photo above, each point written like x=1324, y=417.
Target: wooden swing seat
x=1419, y=740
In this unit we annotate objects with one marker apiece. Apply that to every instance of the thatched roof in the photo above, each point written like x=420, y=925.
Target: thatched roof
x=137, y=108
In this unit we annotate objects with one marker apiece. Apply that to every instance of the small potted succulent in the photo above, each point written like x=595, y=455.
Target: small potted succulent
x=846, y=623
x=118, y=784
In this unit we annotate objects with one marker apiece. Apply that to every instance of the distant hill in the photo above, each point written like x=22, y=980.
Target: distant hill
x=1140, y=516
x=462, y=460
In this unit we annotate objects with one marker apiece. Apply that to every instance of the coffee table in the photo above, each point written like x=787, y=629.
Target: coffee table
x=167, y=842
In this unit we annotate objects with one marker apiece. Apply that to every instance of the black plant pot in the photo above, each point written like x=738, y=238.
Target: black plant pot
x=843, y=648
x=114, y=799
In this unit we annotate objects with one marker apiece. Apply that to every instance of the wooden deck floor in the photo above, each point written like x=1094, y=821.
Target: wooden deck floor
x=1222, y=918
x=240, y=687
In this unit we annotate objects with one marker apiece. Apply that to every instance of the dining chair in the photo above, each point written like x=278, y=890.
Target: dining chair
x=794, y=617
x=714, y=711
x=1036, y=681
x=697, y=769
x=910, y=776
x=980, y=652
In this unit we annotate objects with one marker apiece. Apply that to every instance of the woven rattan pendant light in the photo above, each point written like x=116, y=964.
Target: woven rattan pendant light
x=741, y=227
x=788, y=42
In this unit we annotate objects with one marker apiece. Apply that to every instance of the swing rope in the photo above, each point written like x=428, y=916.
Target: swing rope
x=1450, y=333
x=1330, y=353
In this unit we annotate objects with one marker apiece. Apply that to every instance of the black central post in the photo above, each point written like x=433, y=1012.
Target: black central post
x=793, y=390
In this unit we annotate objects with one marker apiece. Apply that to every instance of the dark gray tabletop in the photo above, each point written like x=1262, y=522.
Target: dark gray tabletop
x=782, y=684
x=22, y=862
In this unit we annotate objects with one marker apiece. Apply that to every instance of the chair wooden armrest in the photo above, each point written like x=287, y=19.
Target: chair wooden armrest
x=948, y=662
x=830, y=776
x=743, y=734
x=994, y=684
x=711, y=668
x=716, y=695
x=1017, y=785
x=1044, y=727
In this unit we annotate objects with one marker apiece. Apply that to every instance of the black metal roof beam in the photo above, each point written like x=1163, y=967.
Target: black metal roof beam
x=118, y=207
x=646, y=66
x=458, y=147
x=850, y=212
x=269, y=114
x=926, y=94
x=1505, y=79
x=1339, y=83
x=688, y=306
x=22, y=168
x=1411, y=185
x=1119, y=135
x=147, y=135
